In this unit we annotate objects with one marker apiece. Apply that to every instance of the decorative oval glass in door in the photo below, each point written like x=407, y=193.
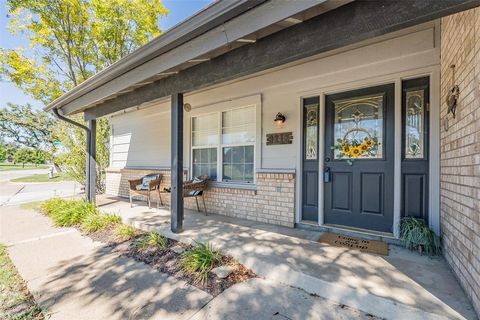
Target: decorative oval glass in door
x=358, y=128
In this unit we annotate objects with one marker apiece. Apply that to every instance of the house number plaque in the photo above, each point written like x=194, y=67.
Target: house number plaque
x=279, y=138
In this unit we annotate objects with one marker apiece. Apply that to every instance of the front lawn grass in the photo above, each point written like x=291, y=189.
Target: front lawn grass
x=16, y=302
x=44, y=178
x=10, y=166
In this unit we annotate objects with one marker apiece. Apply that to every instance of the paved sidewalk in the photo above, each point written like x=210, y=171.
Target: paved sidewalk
x=76, y=278
x=403, y=285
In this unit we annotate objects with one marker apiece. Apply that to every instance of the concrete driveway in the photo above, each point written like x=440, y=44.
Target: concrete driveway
x=75, y=278
x=13, y=193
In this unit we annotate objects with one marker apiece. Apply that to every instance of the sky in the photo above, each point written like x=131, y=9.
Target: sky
x=179, y=11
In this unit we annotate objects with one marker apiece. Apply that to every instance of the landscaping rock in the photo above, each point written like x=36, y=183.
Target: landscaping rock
x=178, y=249
x=223, y=271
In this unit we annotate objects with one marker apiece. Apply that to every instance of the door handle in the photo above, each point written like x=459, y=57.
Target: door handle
x=327, y=175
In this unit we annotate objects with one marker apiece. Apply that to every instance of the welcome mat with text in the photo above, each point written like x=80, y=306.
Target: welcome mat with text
x=371, y=246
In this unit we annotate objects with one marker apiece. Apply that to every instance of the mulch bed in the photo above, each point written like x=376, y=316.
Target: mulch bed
x=168, y=261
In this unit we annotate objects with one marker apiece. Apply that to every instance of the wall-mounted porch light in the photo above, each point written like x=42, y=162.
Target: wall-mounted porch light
x=279, y=120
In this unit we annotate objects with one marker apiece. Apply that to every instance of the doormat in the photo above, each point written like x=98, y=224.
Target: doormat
x=371, y=246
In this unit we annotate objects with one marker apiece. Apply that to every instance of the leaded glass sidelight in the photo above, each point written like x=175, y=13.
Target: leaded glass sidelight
x=414, y=124
x=311, y=132
x=358, y=127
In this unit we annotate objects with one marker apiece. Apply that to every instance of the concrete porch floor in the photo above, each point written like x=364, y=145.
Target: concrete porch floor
x=403, y=285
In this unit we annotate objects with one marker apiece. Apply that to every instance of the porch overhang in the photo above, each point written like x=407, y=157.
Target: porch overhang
x=221, y=27
x=185, y=68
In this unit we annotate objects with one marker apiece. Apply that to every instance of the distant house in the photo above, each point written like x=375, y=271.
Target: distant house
x=314, y=113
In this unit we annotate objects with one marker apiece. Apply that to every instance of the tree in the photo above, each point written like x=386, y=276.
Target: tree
x=70, y=41
x=23, y=155
x=75, y=159
x=10, y=149
x=29, y=128
x=3, y=153
x=38, y=156
x=73, y=39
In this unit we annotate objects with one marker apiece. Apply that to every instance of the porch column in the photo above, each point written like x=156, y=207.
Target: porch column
x=91, y=164
x=176, y=204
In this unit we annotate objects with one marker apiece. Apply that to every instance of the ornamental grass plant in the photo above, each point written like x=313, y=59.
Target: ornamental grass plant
x=199, y=261
x=97, y=222
x=125, y=232
x=151, y=240
x=418, y=236
x=67, y=213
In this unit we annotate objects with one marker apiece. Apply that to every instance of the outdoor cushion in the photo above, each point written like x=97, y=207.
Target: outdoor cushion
x=146, y=180
x=195, y=193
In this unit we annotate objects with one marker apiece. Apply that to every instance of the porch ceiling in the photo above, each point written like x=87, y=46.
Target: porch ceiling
x=286, y=35
x=221, y=27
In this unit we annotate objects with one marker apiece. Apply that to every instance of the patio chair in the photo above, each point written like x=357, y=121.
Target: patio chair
x=145, y=186
x=195, y=188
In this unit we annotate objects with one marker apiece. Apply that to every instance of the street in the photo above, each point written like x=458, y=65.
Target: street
x=14, y=193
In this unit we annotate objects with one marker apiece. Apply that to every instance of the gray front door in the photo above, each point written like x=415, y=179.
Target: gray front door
x=359, y=158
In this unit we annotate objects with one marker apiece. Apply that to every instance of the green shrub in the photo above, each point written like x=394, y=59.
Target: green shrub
x=152, y=239
x=67, y=213
x=199, y=260
x=418, y=236
x=96, y=222
x=126, y=232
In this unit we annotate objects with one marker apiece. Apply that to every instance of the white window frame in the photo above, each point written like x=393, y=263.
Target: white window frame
x=192, y=147
x=219, y=108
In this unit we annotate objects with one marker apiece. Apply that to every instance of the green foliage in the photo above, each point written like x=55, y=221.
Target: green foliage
x=71, y=40
x=43, y=178
x=97, y=222
x=3, y=153
x=126, y=232
x=152, y=239
x=199, y=261
x=418, y=236
x=9, y=149
x=73, y=161
x=14, y=167
x=67, y=213
x=27, y=127
x=27, y=155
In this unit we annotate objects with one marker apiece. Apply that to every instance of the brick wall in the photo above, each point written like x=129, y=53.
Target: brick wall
x=272, y=201
x=460, y=150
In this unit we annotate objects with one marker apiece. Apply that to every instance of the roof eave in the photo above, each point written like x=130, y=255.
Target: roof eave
x=204, y=20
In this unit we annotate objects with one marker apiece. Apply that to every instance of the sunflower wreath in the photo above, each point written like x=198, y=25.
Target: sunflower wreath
x=352, y=148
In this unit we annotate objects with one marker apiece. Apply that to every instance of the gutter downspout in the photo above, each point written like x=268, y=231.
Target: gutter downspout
x=90, y=161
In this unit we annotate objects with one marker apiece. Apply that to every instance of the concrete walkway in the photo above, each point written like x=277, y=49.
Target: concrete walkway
x=403, y=285
x=74, y=278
